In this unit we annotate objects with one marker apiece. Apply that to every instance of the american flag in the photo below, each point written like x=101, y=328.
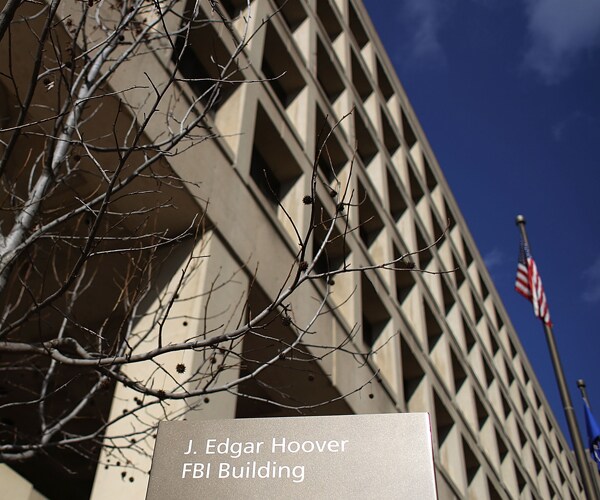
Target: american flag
x=529, y=284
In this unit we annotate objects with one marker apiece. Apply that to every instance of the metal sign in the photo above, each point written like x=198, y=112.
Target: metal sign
x=350, y=457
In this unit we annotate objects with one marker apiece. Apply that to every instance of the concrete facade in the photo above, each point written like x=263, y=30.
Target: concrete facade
x=443, y=341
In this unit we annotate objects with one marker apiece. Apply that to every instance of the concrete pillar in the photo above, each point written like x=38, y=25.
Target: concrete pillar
x=209, y=301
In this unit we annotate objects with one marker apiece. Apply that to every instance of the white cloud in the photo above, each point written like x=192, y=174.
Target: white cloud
x=493, y=258
x=424, y=20
x=561, y=32
x=574, y=123
x=591, y=292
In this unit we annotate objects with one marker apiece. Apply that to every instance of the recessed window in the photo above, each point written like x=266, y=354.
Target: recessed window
x=374, y=314
x=384, y=83
x=536, y=464
x=477, y=310
x=273, y=168
x=484, y=289
x=500, y=324
x=328, y=19
x=416, y=191
x=397, y=202
x=450, y=219
x=502, y=448
x=370, y=224
x=469, y=337
x=389, y=136
x=233, y=7
x=264, y=178
x=538, y=404
x=359, y=78
x=482, y=414
x=327, y=74
x=434, y=330
x=510, y=378
x=412, y=373
x=524, y=404
x=458, y=274
x=405, y=281
x=203, y=70
x=328, y=150
x=447, y=296
x=561, y=479
x=506, y=408
x=520, y=480
x=494, y=343
x=335, y=252
x=437, y=229
x=489, y=377
x=366, y=146
x=443, y=420
x=468, y=255
x=407, y=131
x=471, y=462
x=522, y=438
x=538, y=432
x=356, y=27
x=493, y=492
x=425, y=256
x=279, y=68
x=430, y=179
x=458, y=371
x=293, y=13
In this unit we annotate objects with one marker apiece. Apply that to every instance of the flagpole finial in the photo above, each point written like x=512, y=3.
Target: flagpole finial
x=520, y=219
x=581, y=386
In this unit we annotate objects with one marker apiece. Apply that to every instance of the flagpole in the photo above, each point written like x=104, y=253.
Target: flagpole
x=582, y=463
x=581, y=385
x=593, y=466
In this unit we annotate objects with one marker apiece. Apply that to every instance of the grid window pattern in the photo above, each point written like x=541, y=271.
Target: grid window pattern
x=457, y=355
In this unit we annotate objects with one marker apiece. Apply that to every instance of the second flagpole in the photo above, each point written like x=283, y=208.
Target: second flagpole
x=584, y=470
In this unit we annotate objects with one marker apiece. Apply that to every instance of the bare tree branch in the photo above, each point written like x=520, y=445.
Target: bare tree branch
x=104, y=239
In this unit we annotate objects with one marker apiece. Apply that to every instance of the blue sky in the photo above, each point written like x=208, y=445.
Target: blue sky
x=508, y=93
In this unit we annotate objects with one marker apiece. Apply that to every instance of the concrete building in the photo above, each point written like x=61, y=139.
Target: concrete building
x=442, y=342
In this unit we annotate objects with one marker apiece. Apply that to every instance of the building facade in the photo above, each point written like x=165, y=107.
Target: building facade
x=325, y=104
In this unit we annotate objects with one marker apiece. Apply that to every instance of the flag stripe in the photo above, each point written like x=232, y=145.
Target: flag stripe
x=529, y=284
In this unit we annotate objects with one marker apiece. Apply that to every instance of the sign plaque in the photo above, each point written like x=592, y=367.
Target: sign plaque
x=351, y=457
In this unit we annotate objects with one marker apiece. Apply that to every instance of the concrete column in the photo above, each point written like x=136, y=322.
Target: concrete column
x=210, y=301
x=15, y=486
